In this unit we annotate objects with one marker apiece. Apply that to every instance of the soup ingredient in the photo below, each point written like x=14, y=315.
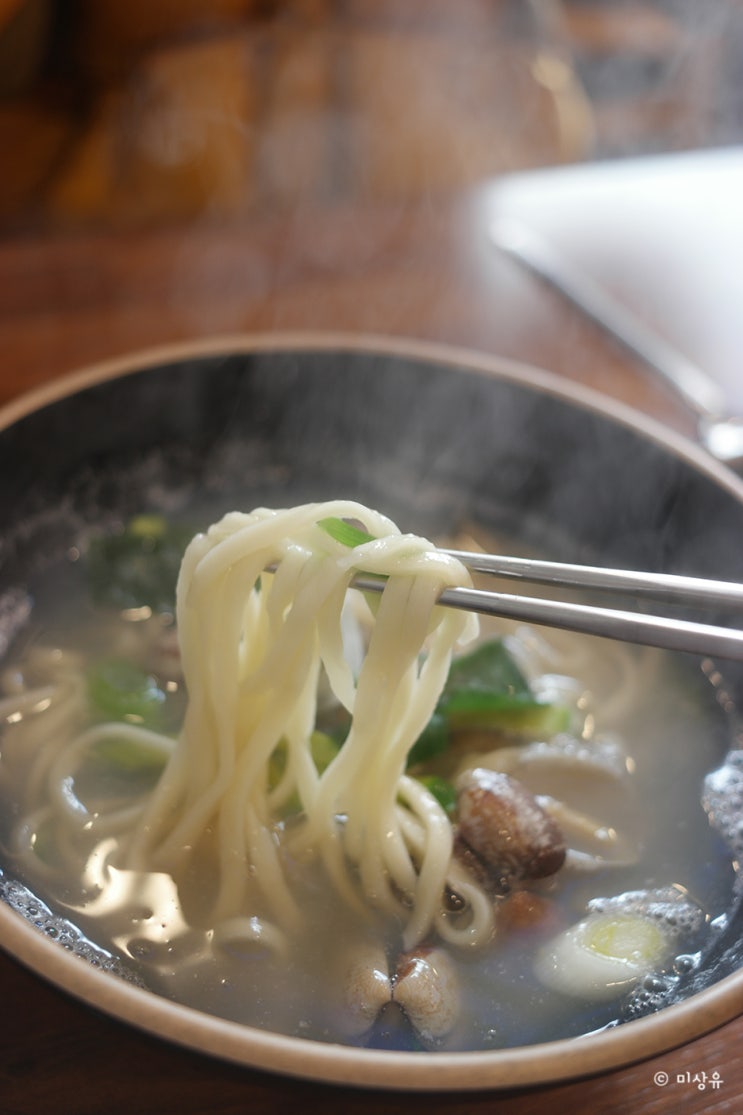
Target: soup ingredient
x=423, y=984
x=486, y=691
x=443, y=790
x=129, y=757
x=603, y=956
x=363, y=978
x=120, y=690
x=426, y=986
x=504, y=824
x=138, y=567
x=566, y=774
x=623, y=939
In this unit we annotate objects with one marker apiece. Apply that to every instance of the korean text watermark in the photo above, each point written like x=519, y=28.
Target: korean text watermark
x=699, y=1079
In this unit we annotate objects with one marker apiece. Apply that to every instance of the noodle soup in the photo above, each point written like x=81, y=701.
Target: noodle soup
x=553, y=868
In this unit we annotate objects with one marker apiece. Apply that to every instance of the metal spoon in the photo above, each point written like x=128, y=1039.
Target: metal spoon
x=719, y=431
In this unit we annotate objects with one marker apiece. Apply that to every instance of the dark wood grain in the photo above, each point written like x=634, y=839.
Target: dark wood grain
x=425, y=272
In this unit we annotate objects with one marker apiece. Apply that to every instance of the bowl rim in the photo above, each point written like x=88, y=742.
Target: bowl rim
x=563, y=1059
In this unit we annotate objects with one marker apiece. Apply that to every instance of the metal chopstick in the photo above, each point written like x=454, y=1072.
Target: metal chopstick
x=690, y=590
x=665, y=632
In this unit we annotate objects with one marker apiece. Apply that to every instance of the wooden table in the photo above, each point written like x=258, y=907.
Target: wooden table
x=423, y=271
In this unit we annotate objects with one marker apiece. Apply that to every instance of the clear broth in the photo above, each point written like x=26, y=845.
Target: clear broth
x=675, y=731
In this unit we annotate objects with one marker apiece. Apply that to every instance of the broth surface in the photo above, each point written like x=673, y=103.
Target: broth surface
x=662, y=710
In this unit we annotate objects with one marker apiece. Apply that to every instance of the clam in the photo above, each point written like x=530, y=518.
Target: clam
x=365, y=984
x=602, y=758
x=424, y=985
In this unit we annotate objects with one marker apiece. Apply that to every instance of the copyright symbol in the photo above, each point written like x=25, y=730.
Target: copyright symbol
x=661, y=1079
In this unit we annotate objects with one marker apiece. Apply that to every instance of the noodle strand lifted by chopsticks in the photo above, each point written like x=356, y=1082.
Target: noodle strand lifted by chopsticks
x=253, y=647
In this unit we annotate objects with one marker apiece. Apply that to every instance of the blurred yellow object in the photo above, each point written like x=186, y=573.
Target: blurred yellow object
x=176, y=141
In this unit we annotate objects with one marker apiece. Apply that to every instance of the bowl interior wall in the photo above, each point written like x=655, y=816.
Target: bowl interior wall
x=431, y=446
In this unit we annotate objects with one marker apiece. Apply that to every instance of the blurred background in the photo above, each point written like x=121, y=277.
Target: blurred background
x=129, y=114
